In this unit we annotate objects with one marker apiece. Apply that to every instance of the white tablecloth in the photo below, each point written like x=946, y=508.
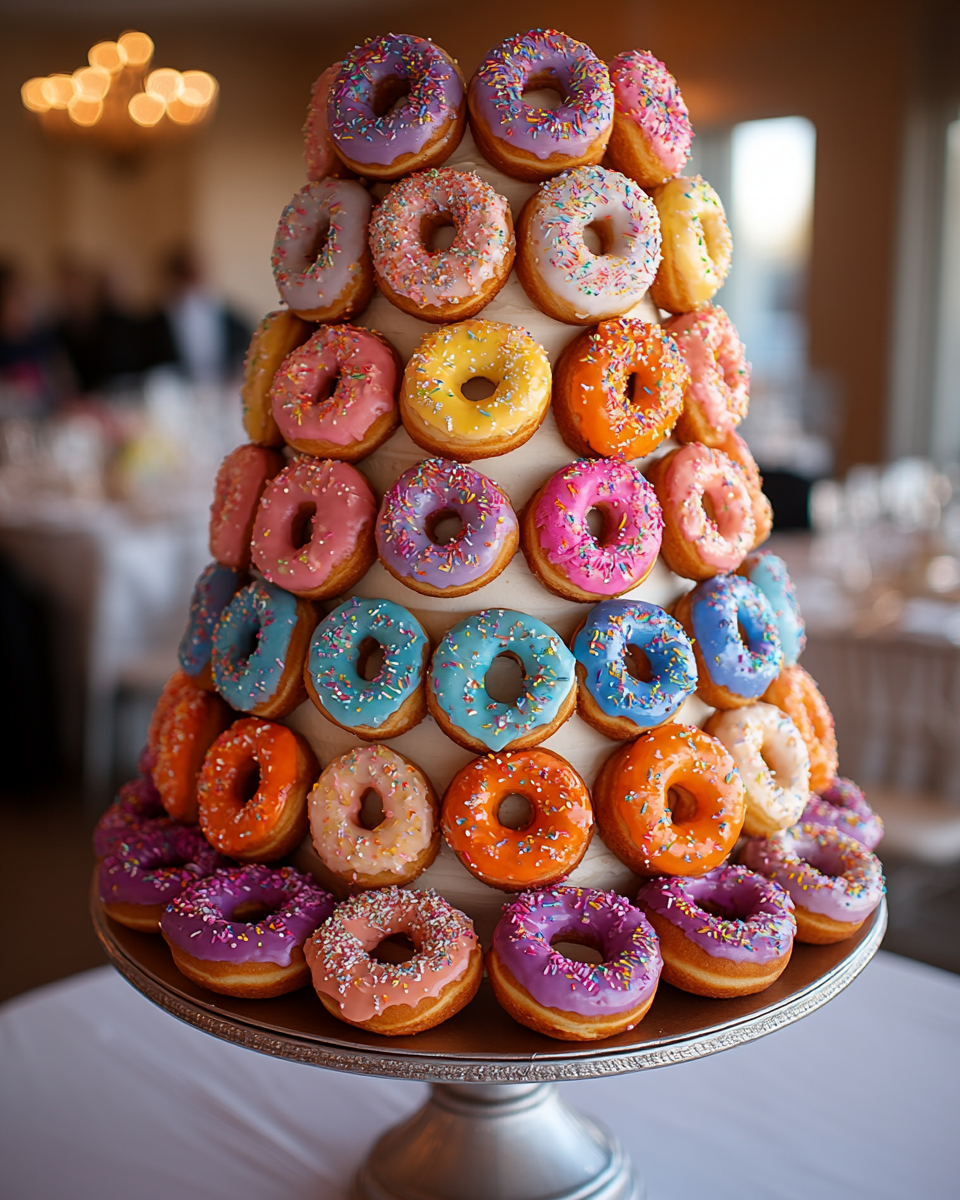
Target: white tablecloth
x=106, y=1097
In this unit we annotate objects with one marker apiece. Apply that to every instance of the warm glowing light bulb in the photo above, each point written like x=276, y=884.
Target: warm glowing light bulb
x=199, y=89
x=58, y=90
x=92, y=83
x=107, y=55
x=32, y=95
x=82, y=111
x=136, y=48
x=146, y=109
x=165, y=83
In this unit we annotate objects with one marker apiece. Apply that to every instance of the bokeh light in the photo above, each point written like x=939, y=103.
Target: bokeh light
x=199, y=89
x=146, y=109
x=165, y=83
x=92, y=83
x=82, y=111
x=136, y=48
x=107, y=55
x=773, y=172
x=32, y=95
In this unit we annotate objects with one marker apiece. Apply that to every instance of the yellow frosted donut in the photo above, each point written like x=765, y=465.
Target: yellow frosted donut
x=441, y=419
x=697, y=246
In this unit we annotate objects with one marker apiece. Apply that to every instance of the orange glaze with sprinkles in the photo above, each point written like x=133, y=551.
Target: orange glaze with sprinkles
x=633, y=802
x=542, y=853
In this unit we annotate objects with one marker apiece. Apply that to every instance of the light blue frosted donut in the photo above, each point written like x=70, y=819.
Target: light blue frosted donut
x=769, y=573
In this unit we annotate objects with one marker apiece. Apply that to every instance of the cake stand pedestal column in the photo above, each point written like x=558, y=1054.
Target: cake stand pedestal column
x=477, y=1141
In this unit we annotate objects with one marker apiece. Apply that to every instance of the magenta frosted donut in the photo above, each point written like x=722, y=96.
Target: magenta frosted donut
x=336, y=395
x=717, y=396
x=843, y=806
x=562, y=551
x=652, y=133
x=242, y=476
x=137, y=805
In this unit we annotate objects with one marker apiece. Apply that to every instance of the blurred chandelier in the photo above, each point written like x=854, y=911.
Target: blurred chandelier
x=117, y=102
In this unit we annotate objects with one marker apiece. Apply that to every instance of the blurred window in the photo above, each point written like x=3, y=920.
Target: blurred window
x=946, y=419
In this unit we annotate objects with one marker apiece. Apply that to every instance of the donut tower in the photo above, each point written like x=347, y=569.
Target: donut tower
x=488, y=654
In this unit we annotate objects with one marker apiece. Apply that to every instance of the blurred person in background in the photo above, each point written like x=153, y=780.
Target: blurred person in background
x=31, y=371
x=208, y=338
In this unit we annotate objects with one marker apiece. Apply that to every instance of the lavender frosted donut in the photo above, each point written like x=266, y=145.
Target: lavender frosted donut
x=137, y=806
x=575, y=1001
x=562, y=551
x=414, y=506
x=834, y=882
x=419, y=133
x=843, y=807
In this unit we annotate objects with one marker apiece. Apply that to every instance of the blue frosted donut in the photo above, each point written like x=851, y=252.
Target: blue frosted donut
x=211, y=594
x=601, y=651
x=718, y=607
x=458, y=698
x=333, y=675
x=252, y=645
x=769, y=573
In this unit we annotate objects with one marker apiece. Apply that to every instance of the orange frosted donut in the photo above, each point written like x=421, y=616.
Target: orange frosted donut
x=274, y=338
x=189, y=725
x=177, y=682
x=270, y=822
x=795, y=692
x=618, y=389
x=670, y=803
x=735, y=448
x=541, y=853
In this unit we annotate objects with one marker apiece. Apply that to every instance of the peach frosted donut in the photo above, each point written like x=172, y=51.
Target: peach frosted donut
x=240, y=483
x=618, y=389
x=439, y=417
x=697, y=246
x=795, y=692
x=270, y=823
x=670, y=803
x=736, y=449
x=318, y=149
x=718, y=392
x=545, y=850
x=651, y=134
x=335, y=396
x=321, y=262
x=273, y=339
x=701, y=541
x=772, y=760
x=395, y=999
x=401, y=846
x=561, y=275
x=442, y=285
x=188, y=728
x=313, y=534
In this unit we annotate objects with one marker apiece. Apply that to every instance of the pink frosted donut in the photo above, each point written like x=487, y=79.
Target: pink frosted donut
x=313, y=534
x=651, y=134
x=243, y=475
x=336, y=395
x=843, y=806
x=718, y=393
x=558, y=544
x=317, y=143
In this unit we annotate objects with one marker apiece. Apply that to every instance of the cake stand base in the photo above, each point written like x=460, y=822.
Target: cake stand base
x=477, y=1141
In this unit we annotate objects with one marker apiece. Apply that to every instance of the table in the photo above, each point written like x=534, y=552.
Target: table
x=104, y=1096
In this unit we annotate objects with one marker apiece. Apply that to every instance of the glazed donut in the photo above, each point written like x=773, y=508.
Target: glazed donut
x=274, y=338
x=259, y=647
x=456, y=692
x=545, y=850
x=321, y=262
x=701, y=541
x=611, y=698
x=407, y=839
x=169, y=694
x=395, y=999
x=336, y=395
x=559, y=547
x=834, y=882
x=717, y=394
x=319, y=153
x=697, y=247
x=440, y=419
x=241, y=931
x=212, y=592
x=241, y=480
x=772, y=760
x=555, y=995
x=146, y=871
x=795, y=692
x=536, y=143
x=843, y=806
x=561, y=275
x=414, y=506
x=442, y=285
x=189, y=726
x=769, y=573
x=718, y=615
x=313, y=534
x=670, y=803
x=270, y=823
x=735, y=448
x=618, y=389
x=737, y=946
x=394, y=700
x=372, y=132
x=651, y=135
x=136, y=807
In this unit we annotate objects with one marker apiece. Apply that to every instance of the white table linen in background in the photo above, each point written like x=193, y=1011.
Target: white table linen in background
x=106, y=1097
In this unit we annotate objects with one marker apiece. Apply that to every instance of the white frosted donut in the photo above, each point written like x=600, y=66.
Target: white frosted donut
x=773, y=762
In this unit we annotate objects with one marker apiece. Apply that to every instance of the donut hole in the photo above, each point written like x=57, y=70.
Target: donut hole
x=247, y=782
x=251, y=911
x=437, y=232
x=637, y=389
x=248, y=639
x=721, y=516
x=596, y=523
x=544, y=92
x=371, y=809
x=478, y=388
x=515, y=811
x=301, y=527
x=780, y=773
x=321, y=235
x=637, y=664
x=370, y=658
x=397, y=948
x=682, y=805
x=504, y=680
x=585, y=951
x=598, y=237
x=444, y=527
x=327, y=387
x=743, y=635
x=390, y=93
x=725, y=912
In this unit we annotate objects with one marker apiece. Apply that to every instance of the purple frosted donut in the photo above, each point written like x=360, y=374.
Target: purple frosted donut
x=411, y=509
x=757, y=923
x=137, y=806
x=200, y=919
x=843, y=806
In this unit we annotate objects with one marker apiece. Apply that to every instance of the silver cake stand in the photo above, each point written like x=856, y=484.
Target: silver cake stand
x=494, y=1127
